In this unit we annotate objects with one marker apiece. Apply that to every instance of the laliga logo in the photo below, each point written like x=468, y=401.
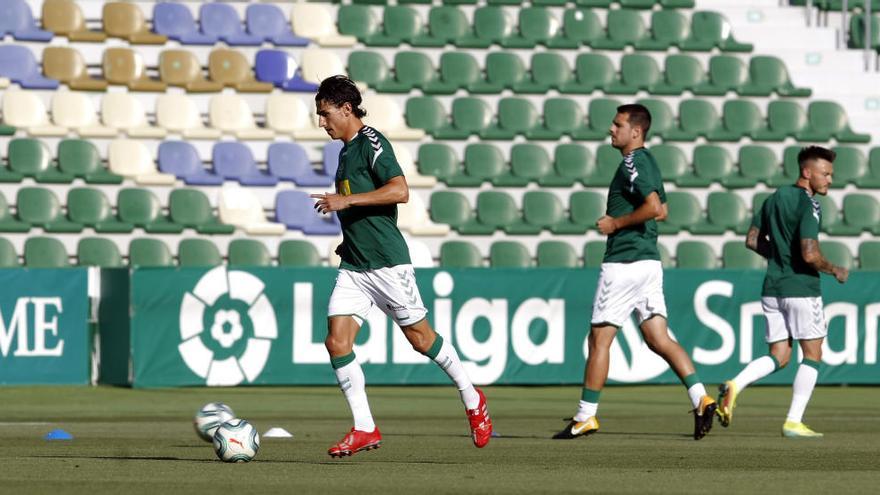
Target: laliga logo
x=227, y=327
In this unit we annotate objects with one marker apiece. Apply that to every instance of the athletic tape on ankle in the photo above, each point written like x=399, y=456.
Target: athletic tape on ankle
x=339, y=362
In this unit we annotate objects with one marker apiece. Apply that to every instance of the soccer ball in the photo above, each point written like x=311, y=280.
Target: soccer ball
x=236, y=441
x=209, y=417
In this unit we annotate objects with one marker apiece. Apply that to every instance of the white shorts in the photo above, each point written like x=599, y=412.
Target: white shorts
x=627, y=287
x=801, y=318
x=392, y=289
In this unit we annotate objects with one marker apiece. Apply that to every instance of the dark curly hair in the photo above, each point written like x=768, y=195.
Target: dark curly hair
x=339, y=90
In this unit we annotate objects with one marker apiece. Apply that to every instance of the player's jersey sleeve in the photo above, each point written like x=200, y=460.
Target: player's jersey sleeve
x=383, y=163
x=810, y=219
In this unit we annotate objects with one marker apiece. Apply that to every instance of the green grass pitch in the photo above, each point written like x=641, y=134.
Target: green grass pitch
x=142, y=441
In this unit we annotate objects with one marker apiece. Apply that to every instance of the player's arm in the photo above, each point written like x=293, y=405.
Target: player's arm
x=650, y=209
x=813, y=256
x=757, y=242
x=392, y=192
x=662, y=216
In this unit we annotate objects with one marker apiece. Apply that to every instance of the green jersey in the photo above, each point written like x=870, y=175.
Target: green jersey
x=637, y=177
x=370, y=238
x=788, y=216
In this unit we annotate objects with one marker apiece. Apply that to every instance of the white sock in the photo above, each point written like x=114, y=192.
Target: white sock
x=353, y=384
x=447, y=359
x=696, y=393
x=804, y=383
x=585, y=410
x=754, y=371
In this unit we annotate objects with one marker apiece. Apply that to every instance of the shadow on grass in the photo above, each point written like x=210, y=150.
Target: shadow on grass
x=339, y=462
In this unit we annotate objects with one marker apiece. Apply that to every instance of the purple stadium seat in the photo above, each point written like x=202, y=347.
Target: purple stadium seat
x=280, y=69
x=176, y=21
x=288, y=161
x=296, y=210
x=234, y=160
x=331, y=157
x=18, y=64
x=268, y=22
x=222, y=21
x=182, y=160
x=17, y=19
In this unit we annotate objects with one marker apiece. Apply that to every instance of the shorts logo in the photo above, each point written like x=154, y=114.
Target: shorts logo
x=227, y=326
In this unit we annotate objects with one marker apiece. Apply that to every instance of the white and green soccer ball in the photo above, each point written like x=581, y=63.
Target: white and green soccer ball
x=210, y=417
x=236, y=441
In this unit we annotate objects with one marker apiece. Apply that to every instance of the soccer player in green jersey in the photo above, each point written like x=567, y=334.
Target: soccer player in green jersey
x=786, y=231
x=376, y=267
x=631, y=277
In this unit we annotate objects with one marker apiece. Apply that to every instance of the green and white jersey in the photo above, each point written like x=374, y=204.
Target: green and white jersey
x=636, y=178
x=370, y=235
x=786, y=217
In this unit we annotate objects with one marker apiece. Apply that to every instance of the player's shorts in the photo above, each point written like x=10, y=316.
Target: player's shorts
x=627, y=287
x=801, y=318
x=392, y=289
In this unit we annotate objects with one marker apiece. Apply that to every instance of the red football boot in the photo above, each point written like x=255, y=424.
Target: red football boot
x=481, y=425
x=356, y=441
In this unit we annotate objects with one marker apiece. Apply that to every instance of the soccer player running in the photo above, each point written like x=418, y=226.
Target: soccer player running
x=631, y=277
x=376, y=267
x=786, y=231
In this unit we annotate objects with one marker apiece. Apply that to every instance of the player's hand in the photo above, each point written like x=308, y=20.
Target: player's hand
x=606, y=225
x=328, y=202
x=840, y=273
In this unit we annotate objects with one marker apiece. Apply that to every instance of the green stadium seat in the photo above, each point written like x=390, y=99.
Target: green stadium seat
x=826, y=120
x=400, y=24
x=624, y=27
x=460, y=70
x=579, y=27
x=602, y=4
x=31, y=158
x=516, y=116
x=638, y=72
x=736, y=256
x=563, y=116
x=601, y=113
x=662, y=117
x=248, y=252
x=671, y=161
x=584, y=208
x=146, y=252
x=869, y=255
x=541, y=210
x=482, y=162
x=8, y=255
x=504, y=70
x=695, y=255
x=438, y=160
x=359, y=21
x=756, y=164
x=681, y=73
x=571, y=163
x=832, y=220
x=857, y=28
x=548, y=71
x=537, y=26
x=556, y=254
x=509, y=254
x=725, y=211
x=637, y=4
x=740, y=119
x=708, y=31
x=546, y=3
x=784, y=119
x=528, y=163
x=871, y=179
x=492, y=25
x=45, y=252
x=668, y=28
x=141, y=208
x=850, y=165
x=496, y=210
x=446, y=24
x=372, y=69
x=608, y=161
x=191, y=208
x=6, y=130
x=95, y=251
x=90, y=207
x=726, y=73
x=758, y=200
x=414, y=70
x=451, y=208
x=594, y=253
x=711, y=164
x=593, y=71
x=469, y=116
x=81, y=159
x=768, y=74
x=861, y=212
x=426, y=113
x=41, y=208
x=837, y=253
x=685, y=213
x=8, y=222
x=198, y=253
x=460, y=254
x=695, y=118
x=298, y=253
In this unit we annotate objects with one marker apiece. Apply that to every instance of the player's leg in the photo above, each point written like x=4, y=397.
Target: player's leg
x=805, y=317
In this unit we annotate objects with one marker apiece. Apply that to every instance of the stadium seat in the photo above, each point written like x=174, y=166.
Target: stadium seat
x=126, y=113
x=579, y=27
x=725, y=211
x=17, y=63
x=668, y=28
x=494, y=25
x=740, y=119
x=594, y=253
x=537, y=26
x=438, y=160
x=289, y=161
x=495, y=210
x=231, y=114
x=452, y=208
x=74, y=110
x=584, y=209
x=695, y=255
x=414, y=70
x=601, y=113
x=126, y=67
x=298, y=253
x=541, y=210
x=67, y=65
x=248, y=252
x=547, y=71
x=831, y=216
x=827, y=119
x=242, y=208
x=685, y=213
x=607, y=162
x=133, y=160
x=32, y=158
x=592, y=71
x=371, y=68
x=198, y=253
x=624, y=28
x=41, y=208
x=571, y=163
x=182, y=68
x=18, y=21
x=176, y=21
x=427, y=113
x=460, y=254
x=45, y=252
x=756, y=164
x=446, y=24
x=319, y=64
x=459, y=70
x=316, y=22
x=235, y=161
x=671, y=161
x=142, y=208
x=837, y=253
x=861, y=212
x=528, y=163
x=384, y=114
x=81, y=159
x=850, y=165
x=147, y=252
x=180, y=158
x=296, y=210
x=330, y=157
x=8, y=255
x=710, y=30
x=662, y=117
x=784, y=119
x=412, y=217
x=681, y=73
x=191, y=208
x=638, y=72
x=361, y=22
x=509, y=254
x=8, y=222
x=400, y=24
x=869, y=255
x=288, y=114
x=95, y=251
x=726, y=73
x=768, y=74
x=871, y=179
x=126, y=20
x=25, y=110
x=556, y=254
x=516, y=116
x=230, y=68
x=695, y=118
x=65, y=18
x=736, y=256
x=268, y=23
x=504, y=70
x=408, y=167
x=221, y=20
x=178, y=114
x=858, y=28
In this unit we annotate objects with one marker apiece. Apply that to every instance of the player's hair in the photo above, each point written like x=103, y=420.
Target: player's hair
x=639, y=116
x=810, y=153
x=339, y=90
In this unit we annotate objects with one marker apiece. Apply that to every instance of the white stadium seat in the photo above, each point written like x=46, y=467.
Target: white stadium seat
x=26, y=110
x=125, y=112
x=412, y=217
x=75, y=111
x=289, y=114
x=241, y=207
x=231, y=114
x=384, y=114
x=318, y=23
x=178, y=114
x=317, y=65
x=408, y=165
x=133, y=160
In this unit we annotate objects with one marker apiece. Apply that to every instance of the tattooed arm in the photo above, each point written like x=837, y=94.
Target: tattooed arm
x=813, y=256
x=758, y=242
